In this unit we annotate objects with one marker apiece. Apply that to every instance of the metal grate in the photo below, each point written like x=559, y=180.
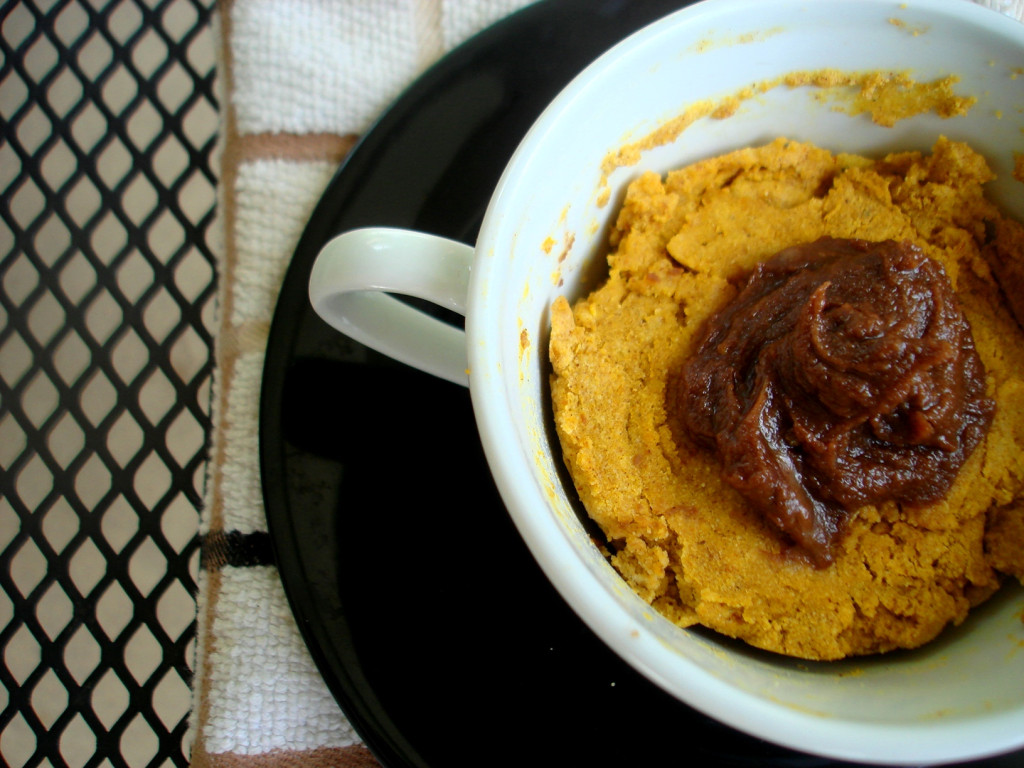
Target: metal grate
x=107, y=291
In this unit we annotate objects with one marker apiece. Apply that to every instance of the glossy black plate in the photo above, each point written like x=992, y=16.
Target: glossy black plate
x=425, y=613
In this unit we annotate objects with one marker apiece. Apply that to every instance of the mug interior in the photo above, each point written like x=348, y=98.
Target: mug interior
x=962, y=696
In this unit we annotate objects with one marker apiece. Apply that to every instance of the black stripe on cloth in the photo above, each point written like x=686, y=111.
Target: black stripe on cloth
x=221, y=548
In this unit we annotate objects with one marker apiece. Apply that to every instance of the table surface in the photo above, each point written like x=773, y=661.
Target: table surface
x=108, y=296
x=107, y=292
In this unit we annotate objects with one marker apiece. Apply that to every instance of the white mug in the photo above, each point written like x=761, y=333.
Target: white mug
x=961, y=697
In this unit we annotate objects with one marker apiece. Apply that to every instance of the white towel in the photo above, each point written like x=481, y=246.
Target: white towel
x=300, y=79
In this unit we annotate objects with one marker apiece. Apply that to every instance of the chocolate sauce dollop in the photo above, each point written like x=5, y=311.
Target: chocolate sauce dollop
x=843, y=374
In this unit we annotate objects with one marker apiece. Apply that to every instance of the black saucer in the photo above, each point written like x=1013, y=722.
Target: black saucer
x=425, y=613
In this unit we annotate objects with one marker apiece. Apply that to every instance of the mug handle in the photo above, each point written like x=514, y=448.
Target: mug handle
x=355, y=271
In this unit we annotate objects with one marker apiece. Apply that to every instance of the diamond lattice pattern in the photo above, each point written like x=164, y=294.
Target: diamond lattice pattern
x=107, y=286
